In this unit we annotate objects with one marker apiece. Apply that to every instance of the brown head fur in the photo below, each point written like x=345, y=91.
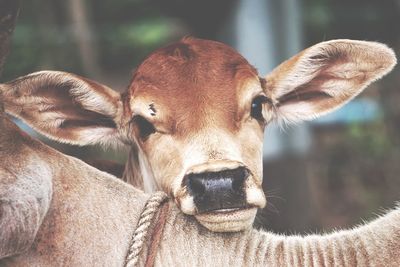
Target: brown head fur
x=194, y=73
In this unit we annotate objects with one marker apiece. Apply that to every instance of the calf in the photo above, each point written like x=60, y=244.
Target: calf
x=194, y=116
x=56, y=210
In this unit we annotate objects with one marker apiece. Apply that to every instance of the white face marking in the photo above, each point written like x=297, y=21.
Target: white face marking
x=197, y=152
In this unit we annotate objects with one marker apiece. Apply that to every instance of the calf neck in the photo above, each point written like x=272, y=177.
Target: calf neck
x=58, y=211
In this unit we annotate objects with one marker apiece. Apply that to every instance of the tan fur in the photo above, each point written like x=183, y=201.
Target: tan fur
x=197, y=94
x=90, y=210
x=92, y=216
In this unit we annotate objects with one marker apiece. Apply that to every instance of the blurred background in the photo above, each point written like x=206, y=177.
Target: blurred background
x=321, y=175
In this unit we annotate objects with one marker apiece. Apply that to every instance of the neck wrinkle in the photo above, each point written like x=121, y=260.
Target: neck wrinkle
x=186, y=243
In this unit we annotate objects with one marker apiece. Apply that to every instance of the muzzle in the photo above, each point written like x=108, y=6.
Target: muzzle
x=215, y=191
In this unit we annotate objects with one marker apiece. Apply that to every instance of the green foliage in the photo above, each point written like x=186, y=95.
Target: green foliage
x=124, y=33
x=127, y=44
x=371, y=139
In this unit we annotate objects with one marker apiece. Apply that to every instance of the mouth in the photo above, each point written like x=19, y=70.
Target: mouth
x=228, y=220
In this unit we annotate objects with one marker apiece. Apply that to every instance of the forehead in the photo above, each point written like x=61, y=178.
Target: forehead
x=192, y=66
x=193, y=73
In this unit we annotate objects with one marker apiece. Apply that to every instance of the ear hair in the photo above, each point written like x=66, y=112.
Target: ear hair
x=65, y=107
x=326, y=76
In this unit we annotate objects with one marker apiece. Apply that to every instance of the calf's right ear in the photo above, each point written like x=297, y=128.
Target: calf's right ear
x=325, y=76
x=65, y=107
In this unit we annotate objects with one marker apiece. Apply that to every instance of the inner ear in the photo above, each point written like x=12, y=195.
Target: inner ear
x=326, y=76
x=65, y=107
x=303, y=96
x=71, y=102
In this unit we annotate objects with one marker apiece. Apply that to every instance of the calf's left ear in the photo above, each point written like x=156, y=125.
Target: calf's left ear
x=326, y=76
x=65, y=107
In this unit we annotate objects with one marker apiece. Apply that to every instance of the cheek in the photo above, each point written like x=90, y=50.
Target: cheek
x=252, y=157
x=165, y=161
x=252, y=149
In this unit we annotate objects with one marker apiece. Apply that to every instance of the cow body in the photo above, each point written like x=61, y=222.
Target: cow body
x=90, y=218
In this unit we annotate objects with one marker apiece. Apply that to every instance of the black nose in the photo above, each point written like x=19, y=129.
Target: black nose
x=218, y=190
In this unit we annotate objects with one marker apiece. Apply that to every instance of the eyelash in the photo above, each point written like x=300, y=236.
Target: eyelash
x=256, y=107
x=145, y=128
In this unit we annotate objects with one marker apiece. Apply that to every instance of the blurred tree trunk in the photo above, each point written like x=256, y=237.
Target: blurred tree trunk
x=84, y=37
x=46, y=26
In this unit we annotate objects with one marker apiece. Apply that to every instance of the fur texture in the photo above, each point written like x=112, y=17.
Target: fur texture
x=190, y=107
x=92, y=216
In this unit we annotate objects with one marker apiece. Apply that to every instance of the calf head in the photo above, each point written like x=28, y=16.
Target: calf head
x=194, y=115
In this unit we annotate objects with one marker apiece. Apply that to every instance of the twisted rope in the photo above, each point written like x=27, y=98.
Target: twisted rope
x=140, y=235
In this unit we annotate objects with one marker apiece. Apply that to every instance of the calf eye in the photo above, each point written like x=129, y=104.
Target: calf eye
x=256, y=107
x=144, y=126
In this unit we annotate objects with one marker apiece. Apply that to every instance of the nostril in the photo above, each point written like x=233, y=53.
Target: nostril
x=197, y=186
x=239, y=177
x=237, y=184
